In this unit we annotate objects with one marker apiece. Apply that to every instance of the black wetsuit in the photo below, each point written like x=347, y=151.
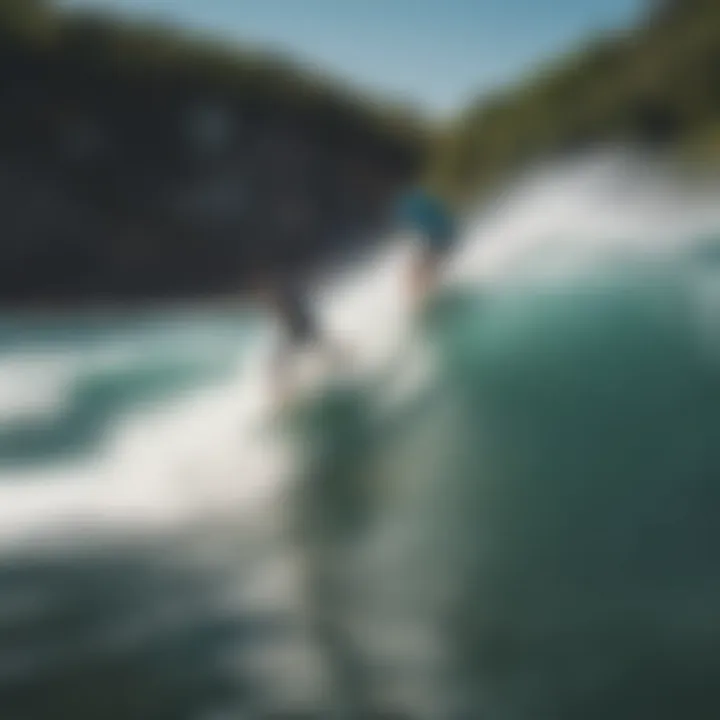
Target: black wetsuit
x=297, y=324
x=296, y=316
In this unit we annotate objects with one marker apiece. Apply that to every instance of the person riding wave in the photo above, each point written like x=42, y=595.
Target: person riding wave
x=433, y=222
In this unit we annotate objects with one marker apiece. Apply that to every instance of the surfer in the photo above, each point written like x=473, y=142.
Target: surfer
x=431, y=219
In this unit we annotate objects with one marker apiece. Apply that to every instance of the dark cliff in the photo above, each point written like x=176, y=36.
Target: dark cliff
x=136, y=163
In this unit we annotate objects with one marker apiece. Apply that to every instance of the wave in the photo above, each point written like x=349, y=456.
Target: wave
x=197, y=443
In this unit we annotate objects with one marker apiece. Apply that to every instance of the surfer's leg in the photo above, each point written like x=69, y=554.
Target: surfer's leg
x=280, y=370
x=415, y=274
x=423, y=278
x=435, y=252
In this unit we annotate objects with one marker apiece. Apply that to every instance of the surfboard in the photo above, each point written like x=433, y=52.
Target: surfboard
x=313, y=374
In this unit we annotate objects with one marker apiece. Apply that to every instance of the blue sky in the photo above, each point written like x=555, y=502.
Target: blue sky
x=437, y=54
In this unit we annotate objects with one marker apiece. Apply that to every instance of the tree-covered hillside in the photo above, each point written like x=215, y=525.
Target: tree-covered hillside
x=657, y=84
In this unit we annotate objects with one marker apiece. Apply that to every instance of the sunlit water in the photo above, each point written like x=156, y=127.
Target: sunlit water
x=506, y=509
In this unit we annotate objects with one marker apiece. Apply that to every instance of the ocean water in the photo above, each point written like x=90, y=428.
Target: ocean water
x=504, y=509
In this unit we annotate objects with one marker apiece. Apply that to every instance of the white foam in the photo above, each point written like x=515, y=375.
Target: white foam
x=33, y=386
x=206, y=452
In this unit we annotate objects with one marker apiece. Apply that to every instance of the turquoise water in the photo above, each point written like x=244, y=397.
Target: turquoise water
x=531, y=533
x=83, y=373
x=559, y=479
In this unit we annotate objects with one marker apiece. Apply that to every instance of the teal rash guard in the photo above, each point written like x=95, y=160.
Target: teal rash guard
x=430, y=218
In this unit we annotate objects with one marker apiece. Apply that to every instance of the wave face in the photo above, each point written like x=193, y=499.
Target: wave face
x=505, y=509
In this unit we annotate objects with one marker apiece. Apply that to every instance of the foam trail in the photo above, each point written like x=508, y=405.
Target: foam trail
x=32, y=386
x=203, y=452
